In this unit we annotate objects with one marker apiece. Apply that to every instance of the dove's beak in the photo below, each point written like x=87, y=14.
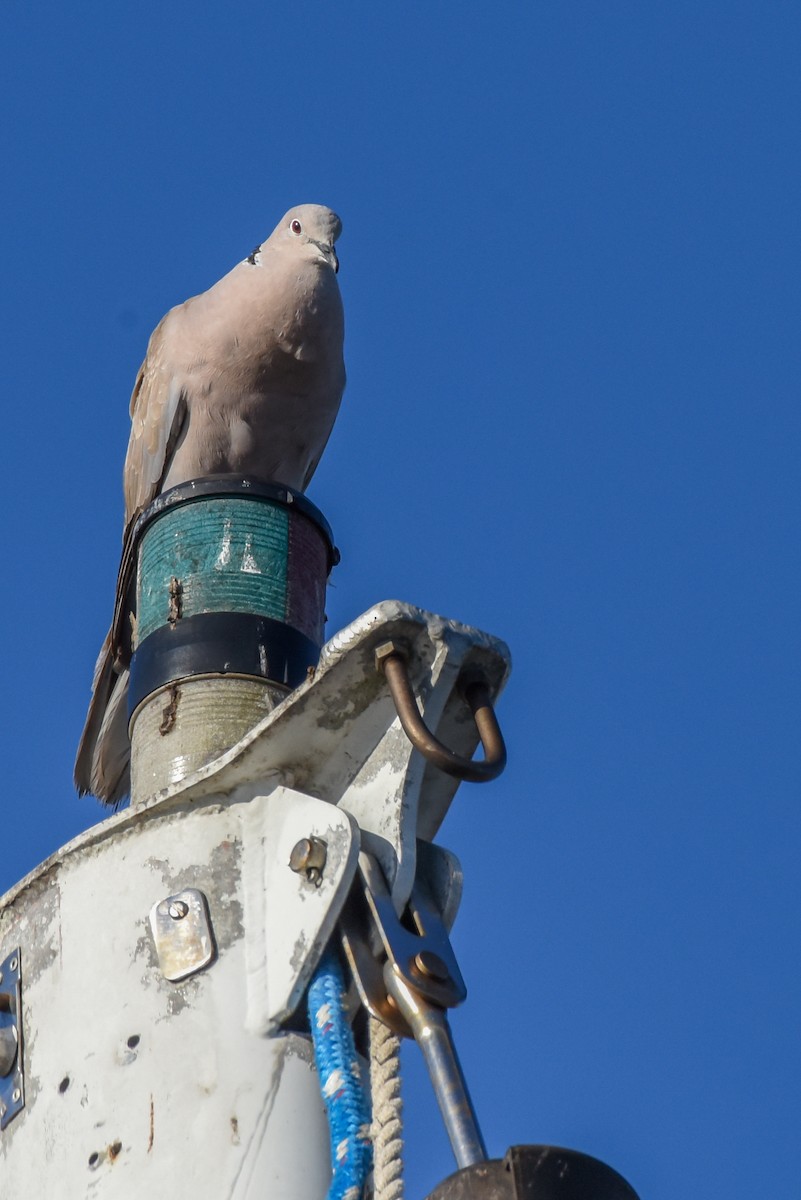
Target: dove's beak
x=328, y=253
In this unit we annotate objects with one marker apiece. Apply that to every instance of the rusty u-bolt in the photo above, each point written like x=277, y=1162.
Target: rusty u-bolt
x=392, y=661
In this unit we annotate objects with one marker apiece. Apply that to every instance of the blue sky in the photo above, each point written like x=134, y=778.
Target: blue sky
x=570, y=265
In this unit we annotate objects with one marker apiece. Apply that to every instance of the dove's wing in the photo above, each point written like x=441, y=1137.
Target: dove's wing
x=158, y=413
x=102, y=764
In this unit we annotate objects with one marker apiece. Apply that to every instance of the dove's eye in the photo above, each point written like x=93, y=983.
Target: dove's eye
x=296, y=226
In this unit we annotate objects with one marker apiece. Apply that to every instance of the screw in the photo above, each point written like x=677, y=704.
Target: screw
x=176, y=601
x=178, y=909
x=301, y=852
x=308, y=858
x=427, y=963
x=13, y=964
x=15, y=1095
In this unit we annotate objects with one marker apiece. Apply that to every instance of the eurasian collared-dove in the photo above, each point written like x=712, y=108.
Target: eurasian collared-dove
x=244, y=379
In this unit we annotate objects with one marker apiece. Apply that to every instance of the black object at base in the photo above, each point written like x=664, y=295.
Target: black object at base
x=220, y=644
x=536, y=1173
x=245, y=486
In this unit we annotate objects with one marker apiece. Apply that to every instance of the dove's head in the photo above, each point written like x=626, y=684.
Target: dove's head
x=310, y=231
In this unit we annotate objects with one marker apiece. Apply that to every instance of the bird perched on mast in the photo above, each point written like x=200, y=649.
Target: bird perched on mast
x=244, y=379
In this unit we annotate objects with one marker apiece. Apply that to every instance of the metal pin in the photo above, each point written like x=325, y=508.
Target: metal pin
x=432, y=1033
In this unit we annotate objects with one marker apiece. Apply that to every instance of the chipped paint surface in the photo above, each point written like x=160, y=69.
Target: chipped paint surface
x=126, y=1071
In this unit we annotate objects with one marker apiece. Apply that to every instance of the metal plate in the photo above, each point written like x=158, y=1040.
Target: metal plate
x=182, y=934
x=12, y=1084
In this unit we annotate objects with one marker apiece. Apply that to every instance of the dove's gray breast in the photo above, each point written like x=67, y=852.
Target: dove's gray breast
x=258, y=363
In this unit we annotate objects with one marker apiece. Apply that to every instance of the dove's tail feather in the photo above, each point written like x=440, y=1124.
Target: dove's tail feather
x=102, y=764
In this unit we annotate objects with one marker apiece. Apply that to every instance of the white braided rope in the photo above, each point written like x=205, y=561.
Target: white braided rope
x=385, y=1091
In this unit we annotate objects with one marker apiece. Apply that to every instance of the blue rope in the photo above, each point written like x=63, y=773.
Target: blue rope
x=340, y=1081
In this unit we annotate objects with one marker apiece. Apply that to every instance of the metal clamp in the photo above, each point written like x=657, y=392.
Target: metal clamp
x=407, y=978
x=391, y=659
x=420, y=953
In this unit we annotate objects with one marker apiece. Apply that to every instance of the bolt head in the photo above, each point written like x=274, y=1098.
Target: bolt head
x=301, y=853
x=178, y=909
x=308, y=857
x=385, y=650
x=430, y=965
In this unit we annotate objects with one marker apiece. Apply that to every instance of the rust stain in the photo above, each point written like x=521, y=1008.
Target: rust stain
x=235, y=1131
x=170, y=711
x=152, y=1125
x=113, y=1150
x=176, y=606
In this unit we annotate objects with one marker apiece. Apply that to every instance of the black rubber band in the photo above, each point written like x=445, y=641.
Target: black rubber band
x=246, y=487
x=220, y=644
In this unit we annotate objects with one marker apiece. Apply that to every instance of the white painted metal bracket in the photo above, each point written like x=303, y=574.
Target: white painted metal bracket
x=338, y=738
x=290, y=913
x=119, y=1055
